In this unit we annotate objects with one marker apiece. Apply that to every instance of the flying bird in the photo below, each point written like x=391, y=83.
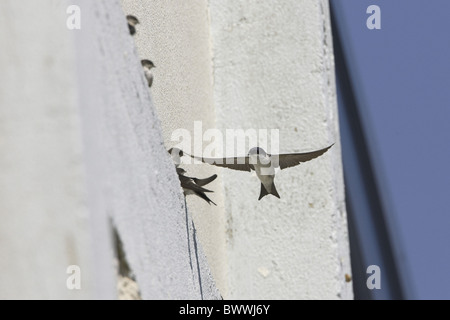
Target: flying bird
x=191, y=185
x=264, y=165
x=132, y=22
x=148, y=65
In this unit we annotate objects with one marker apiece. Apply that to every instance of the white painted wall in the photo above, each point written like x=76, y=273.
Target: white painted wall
x=256, y=64
x=45, y=222
x=273, y=68
x=81, y=142
x=175, y=36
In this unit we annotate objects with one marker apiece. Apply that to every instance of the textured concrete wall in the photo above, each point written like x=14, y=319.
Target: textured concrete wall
x=273, y=68
x=81, y=142
x=45, y=222
x=175, y=36
x=256, y=64
x=141, y=190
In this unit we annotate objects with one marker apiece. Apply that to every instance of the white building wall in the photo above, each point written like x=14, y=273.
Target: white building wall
x=273, y=69
x=45, y=222
x=175, y=36
x=260, y=65
x=81, y=145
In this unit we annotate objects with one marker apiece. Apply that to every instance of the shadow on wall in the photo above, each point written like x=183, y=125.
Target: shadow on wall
x=127, y=285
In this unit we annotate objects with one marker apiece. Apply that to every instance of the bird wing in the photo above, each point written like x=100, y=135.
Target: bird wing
x=188, y=183
x=293, y=159
x=236, y=163
x=203, y=182
x=150, y=80
x=205, y=197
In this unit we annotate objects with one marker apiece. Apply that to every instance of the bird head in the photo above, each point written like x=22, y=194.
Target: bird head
x=257, y=151
x=147, y=64
x=176, y=152
x=132, y=20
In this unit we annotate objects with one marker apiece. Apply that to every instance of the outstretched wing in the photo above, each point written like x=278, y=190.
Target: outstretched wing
x=203, y=182
x=293, y=159
x=236, y=163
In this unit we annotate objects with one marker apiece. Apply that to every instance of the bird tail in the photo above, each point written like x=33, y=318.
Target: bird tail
x=274, y=191
x=203, y=182
x=205, y=197
x=265, y=193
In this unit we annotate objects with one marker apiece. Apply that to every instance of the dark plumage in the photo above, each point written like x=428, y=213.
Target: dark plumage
x=192, y=185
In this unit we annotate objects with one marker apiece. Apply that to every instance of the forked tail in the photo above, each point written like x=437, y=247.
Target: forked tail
x=272, y=192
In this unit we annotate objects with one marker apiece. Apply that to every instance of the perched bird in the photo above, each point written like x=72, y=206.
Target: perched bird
x=195, y=186
x=264, y=165
x=191, y=185
x=132, y=22
x=148, y=65
x=176, y=155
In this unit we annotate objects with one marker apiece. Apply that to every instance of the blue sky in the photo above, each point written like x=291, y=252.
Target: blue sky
x=401, y=77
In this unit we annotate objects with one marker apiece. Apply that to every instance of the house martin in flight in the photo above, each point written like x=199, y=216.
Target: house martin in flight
x=264, y=165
